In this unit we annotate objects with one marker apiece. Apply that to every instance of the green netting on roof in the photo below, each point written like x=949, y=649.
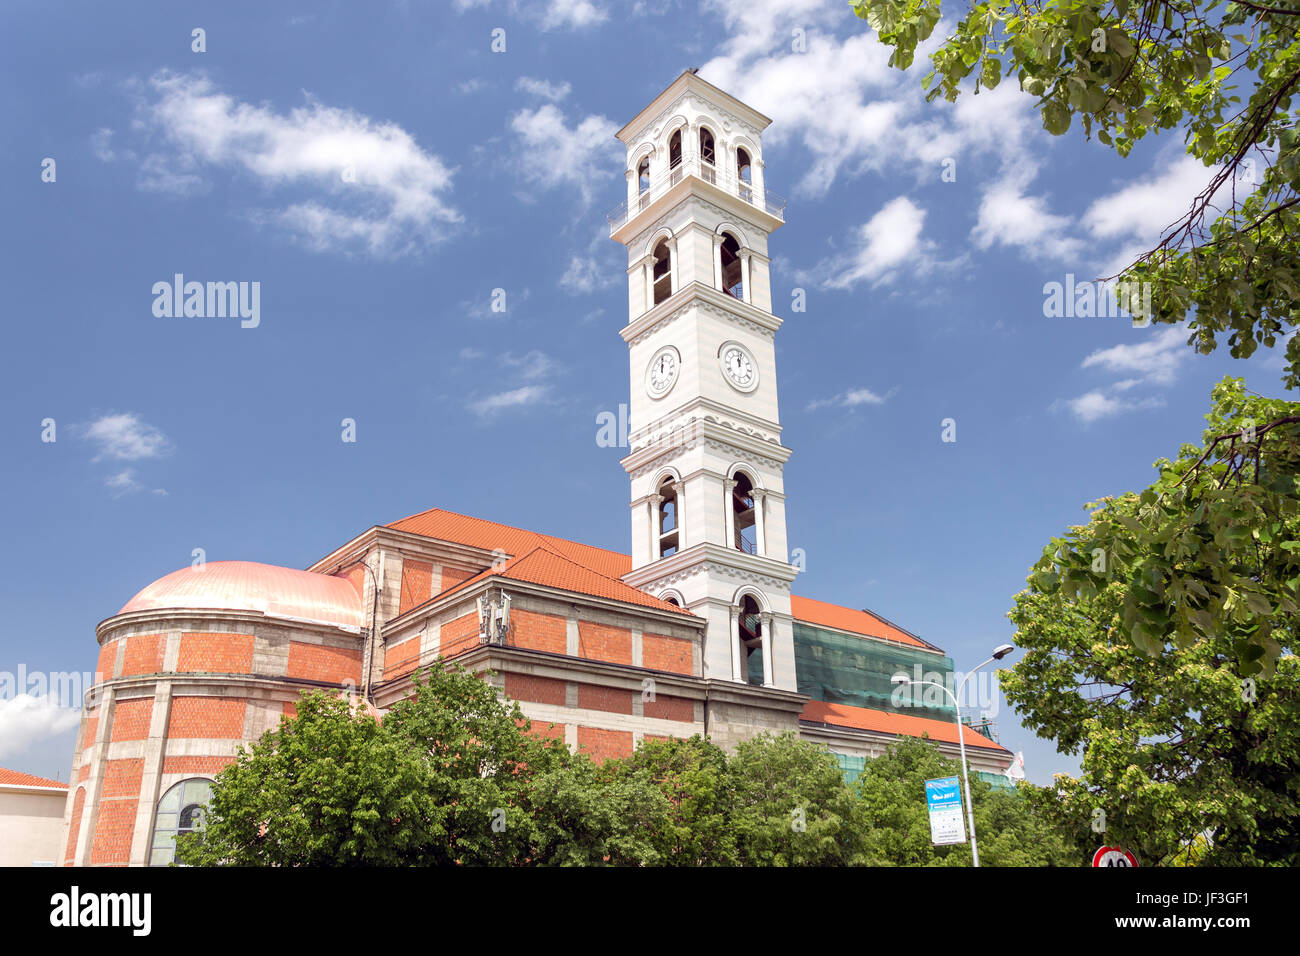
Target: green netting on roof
x=851, y=767
x=840, y=669
x=998, y=781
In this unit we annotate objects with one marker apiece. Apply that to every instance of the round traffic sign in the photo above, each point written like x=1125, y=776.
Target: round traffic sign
x=1113, y=856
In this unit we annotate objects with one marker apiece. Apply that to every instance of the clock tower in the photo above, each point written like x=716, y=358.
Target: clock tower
x=706, y=460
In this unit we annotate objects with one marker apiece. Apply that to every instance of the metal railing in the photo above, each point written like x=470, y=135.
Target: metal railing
x=763, y=199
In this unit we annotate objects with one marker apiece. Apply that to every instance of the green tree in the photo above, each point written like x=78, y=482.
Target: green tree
x=1127, y=70
x=1211, y=551
x=789, y=804
x=324, y=789
x=894, y=819
x=695, y=828
x=1173, y=748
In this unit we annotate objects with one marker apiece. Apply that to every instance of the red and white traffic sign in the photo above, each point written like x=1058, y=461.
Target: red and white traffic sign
x=1113, y=856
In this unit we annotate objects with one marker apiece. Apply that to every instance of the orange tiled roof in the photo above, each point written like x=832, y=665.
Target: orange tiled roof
x=19, y=779
x=610, y=566
x=864, y=718
x=491, y=536
x=847, y=619
x=545, y=567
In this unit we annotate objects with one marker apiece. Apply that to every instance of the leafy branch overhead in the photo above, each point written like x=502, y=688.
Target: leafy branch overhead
x=1211, y=549
x=1232, y=263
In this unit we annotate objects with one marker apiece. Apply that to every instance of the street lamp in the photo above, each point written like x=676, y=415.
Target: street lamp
x=902, y=680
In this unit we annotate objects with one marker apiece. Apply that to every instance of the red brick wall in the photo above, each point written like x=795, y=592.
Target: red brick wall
x=84, y=773
x=74, y=830
x=107, y=660
x=605, y=744
x=654, y=737
x=131, y=719
x=669, y=708
x=114, y=827
x=202, y=766
x=616, y=701
x=459, y=635
x=216, y=653
x=662, y=653
x=599, y=642
x=453, y=576
x=402, y=658
x=211, y=717
x=144, y=654
x=417, y=584
x=537, y=690
x=291, y=710
x=540, y=632
x=542, y=728
x=122, y=778
x=318, y=662
x=92, y=725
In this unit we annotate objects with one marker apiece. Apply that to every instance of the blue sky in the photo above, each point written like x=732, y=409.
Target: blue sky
x=472, y=171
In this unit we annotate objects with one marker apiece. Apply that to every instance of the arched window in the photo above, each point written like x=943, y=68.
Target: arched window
x=663, y=272
x=668, y=523
x=744, y=175
x=675, y=156
x=731, y=270
x=751, y=640
x=180, y=810
x=643, y=175
x=672, y=600
x=707, y=155
x=743, y=515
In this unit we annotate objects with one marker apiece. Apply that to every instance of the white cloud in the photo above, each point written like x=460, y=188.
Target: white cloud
x=377, y=189
x=885, y=244
x=524, y=396
x=552, y=154
x=549, y=14
x=26, y=720
x=124, y=437
x=1155, y=360
x=852, y=398
x=101, y=143
x=1097, y=404
x=543, y=88
x=585, y=275
x=1010, y=218
x=1143, y=209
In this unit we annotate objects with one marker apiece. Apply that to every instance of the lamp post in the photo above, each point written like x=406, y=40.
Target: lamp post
x=903, y=680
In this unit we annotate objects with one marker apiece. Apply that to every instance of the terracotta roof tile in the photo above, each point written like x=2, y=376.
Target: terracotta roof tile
x=864, y=718
x=847, y=619
x=20, y=779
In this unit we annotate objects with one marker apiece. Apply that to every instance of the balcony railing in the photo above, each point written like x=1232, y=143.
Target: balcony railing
x=763, y=199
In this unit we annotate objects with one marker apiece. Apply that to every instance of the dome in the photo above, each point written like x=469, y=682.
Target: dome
x=248, y=586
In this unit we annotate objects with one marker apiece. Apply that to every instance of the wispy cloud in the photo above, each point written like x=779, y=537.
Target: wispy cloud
x=852, y=398
x=523, y=397
x=1096, y=405
x=886, y=244
x=1156, y=360
x=377, y=191
x=26, y=720
x=552, y=154
x=125, y=437
x=543, y=88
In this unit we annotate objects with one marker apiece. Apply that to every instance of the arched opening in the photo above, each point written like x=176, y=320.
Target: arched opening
x=708, y=155
x=668, y=523
x=743, y=514
x=181, y=810
x=675, y=156
x=744, y=175
x=663, y=272
x=643, y=175
x=731, y=268
x=670, y=599
x=751, y=640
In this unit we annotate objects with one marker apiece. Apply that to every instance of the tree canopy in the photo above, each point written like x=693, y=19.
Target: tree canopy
x=1128, y=70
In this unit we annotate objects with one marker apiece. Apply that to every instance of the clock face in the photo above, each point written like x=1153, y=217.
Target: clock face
x=662, y=372
x=738, y=366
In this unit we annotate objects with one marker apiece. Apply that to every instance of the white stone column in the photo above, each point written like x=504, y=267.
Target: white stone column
x=744, y=275
x=655, y=530
x=736, y=655
x=680, y=516
x=760, y=538
x=648, y=282
x=717, y=261
x=672, y=265
x=633, y=188
x=766, y=626
x=729, y=515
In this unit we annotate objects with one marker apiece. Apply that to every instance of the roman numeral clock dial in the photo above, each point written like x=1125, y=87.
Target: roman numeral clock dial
x=738, y=367
x=661, y=373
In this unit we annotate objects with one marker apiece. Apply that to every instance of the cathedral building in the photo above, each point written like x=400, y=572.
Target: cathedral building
x=696, y=631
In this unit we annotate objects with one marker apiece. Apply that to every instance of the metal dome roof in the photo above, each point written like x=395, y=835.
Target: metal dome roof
x=248, y=586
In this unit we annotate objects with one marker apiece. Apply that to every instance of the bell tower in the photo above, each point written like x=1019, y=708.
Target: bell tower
x=706, y=459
